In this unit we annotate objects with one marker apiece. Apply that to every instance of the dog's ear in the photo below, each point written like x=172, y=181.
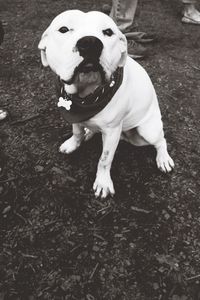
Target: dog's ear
x=123, y=49
x=42, y=47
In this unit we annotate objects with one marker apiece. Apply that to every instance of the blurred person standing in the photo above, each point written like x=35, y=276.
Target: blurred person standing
x=123, y=13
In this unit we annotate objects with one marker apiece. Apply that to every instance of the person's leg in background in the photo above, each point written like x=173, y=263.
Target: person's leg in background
x=190, y=14
x=123, y=13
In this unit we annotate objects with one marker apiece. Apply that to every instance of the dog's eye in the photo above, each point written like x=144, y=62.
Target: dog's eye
x=108, y=32
x=63, y=29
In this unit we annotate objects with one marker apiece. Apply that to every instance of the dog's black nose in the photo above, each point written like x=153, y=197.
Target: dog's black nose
x=89, y=47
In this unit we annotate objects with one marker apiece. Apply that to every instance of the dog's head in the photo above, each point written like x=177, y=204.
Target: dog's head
x=83, y=47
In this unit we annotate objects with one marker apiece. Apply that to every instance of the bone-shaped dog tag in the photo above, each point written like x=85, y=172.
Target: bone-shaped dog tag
x=64, y=103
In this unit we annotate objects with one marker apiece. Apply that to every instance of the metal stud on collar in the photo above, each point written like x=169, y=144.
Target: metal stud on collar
x=112, y=83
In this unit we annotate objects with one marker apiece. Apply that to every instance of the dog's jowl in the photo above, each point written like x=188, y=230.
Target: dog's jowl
x=101, y=89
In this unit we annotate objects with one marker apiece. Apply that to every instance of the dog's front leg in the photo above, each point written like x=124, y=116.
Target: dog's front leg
x=103, y=184
x=74, y=141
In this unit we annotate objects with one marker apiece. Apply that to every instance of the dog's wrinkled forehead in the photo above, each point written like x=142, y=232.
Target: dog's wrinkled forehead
x=69, y=17
x=90, y=22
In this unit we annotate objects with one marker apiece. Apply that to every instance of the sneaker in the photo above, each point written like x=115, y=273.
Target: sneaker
x=191, y=20
x=140, y=37
x=135, y=50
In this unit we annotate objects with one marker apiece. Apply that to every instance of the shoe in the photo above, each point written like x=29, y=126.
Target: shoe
x=140, y=37
x=189, y=20
x=135, y=50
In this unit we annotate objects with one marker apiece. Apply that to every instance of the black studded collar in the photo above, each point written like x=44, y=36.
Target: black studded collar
x=75, y=109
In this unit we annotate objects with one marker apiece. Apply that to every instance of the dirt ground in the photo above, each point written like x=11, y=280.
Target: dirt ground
x=57, y=240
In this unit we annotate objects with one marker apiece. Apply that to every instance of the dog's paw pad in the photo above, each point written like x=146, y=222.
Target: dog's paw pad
x=165, y=163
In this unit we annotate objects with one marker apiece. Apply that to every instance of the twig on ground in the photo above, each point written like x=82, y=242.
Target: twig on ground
x=21, y=217
x=70, y=178
x=190, y=190
x=25, y=119
x=29, y=194
x=104, y=215
x=14, y=238
x=134, y=208
x=98, y=236
x=193, y=277
x=29, y=256
x=167, y=94
x=77, y=247
x=51, y=223
x=8, y=180
x=93, y=272
x=194, y=67
x=102, y=209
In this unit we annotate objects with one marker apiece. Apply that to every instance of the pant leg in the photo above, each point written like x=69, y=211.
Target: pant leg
x=123, y=12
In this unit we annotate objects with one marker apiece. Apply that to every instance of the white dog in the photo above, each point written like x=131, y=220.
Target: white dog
x=102, y=89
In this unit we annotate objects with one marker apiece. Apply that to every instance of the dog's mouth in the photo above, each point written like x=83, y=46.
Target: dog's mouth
x=87, y=72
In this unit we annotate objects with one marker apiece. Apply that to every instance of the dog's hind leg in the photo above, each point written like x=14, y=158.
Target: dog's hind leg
x=74, y=141
x=132, y=136
x=152, y=133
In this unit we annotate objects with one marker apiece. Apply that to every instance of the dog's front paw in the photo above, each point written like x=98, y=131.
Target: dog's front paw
x=103, y=186
x=164, y=162
x=69, y=145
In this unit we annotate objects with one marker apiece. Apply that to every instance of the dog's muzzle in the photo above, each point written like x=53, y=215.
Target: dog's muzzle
x=90, y=48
